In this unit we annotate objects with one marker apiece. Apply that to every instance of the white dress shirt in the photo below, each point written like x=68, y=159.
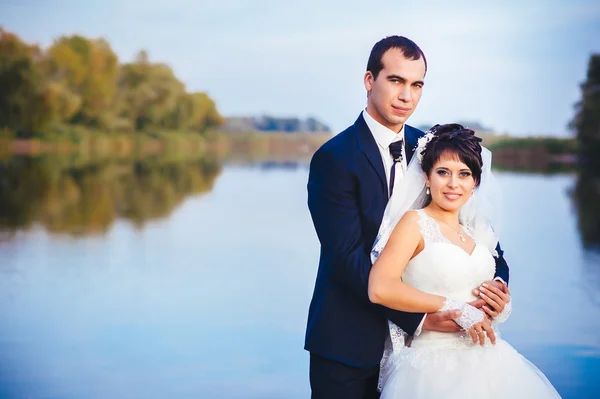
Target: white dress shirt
x=384, y=137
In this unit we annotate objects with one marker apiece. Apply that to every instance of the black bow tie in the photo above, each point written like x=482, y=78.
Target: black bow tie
x=396, y=151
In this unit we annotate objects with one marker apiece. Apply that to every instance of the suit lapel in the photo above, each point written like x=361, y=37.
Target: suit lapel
x=368, y=146
x=411, y=136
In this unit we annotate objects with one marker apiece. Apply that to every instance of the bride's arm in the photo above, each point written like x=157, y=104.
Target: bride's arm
x=385, y=284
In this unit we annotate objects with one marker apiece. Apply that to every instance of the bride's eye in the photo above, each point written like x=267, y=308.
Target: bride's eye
x=465, y=174
x=442, y=172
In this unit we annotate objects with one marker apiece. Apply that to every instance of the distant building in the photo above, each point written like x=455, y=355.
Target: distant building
x=272, y=124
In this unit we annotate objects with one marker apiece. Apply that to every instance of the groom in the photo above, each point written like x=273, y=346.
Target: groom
x=351, y=178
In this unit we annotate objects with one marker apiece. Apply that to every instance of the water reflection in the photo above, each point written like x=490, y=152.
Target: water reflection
x=286, y=165
x=586, y=197
x=211, y=301
x=67, y=195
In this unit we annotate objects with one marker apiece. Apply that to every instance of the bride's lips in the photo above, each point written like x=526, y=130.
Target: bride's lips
x=452, y=196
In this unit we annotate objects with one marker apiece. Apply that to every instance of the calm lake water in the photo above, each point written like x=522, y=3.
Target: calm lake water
x=194, y=281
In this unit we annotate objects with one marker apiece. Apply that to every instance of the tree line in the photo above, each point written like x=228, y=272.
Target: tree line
x=268, y=123
x=586, y=126
x=80, y=81
x=586, y=123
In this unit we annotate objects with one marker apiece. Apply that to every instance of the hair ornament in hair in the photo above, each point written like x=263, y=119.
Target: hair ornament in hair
x=422, y=144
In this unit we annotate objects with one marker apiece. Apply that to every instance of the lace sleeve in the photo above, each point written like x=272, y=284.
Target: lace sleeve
x=469, y=315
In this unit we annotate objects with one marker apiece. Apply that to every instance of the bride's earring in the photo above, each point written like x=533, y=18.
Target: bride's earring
x=427, y=191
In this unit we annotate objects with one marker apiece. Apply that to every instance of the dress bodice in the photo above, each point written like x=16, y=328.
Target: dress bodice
x=443, y=268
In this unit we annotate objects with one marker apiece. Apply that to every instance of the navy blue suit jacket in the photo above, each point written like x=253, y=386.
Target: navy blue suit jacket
x=347, y=195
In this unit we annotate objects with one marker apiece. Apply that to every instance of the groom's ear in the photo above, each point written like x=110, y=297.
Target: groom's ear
x=368, y=79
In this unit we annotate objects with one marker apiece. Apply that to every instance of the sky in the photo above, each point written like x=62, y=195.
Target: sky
x=513, y=66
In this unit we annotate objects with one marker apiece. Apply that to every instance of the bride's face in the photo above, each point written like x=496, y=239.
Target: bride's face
x=451, y=183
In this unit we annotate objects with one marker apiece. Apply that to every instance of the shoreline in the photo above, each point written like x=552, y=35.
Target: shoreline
x=532, y=153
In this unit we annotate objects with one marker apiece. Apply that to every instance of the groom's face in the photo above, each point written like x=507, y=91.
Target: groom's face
x=394, y=94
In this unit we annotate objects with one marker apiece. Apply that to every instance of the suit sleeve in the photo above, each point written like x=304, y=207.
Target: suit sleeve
x=334, y=208
x=501, y=265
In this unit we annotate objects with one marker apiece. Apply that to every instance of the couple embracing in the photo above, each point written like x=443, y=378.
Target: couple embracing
x=412, y=281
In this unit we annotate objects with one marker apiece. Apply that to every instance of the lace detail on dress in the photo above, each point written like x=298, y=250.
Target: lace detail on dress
x=424, y=357
x=395, y=342
x=469, y=314
x=431, y=232
x=430, y=229
x=381, y=239
x=397, y=337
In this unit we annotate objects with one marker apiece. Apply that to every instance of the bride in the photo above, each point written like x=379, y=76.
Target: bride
x=436, y=243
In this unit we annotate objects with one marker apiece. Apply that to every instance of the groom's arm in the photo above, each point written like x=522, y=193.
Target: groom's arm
x=501, y=266
x=408, y=322
x=333, y=204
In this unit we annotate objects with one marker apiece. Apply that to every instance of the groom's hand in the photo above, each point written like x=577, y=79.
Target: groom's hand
x=442, y=321
x=479, y=303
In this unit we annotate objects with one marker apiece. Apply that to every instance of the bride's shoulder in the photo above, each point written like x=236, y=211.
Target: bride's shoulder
x=413, y=215
x=415, y=220
x=410, y=220
x=407, y=230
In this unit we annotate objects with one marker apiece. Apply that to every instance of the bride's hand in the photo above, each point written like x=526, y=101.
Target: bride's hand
x=480, y=302
x=479, y=331
x=496, y=299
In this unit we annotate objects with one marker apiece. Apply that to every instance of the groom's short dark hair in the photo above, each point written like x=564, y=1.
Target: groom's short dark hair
x=407, y=46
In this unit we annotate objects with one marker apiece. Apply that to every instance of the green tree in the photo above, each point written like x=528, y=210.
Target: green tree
x=195, y=112
x=152, y=97
x=84, y=75
x=78, y=81
x=206, y=115
x=24, y=100
x=586, y=122
x=149, y=93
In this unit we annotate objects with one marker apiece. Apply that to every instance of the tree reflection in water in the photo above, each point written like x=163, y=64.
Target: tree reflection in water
x=75, y=197
x=586, y=198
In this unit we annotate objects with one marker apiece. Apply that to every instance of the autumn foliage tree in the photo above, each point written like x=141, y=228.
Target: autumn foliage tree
x=78, y=81
x=24, y=98
x=84, y=73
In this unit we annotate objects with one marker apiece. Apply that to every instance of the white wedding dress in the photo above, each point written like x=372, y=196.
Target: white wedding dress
x=448, y=365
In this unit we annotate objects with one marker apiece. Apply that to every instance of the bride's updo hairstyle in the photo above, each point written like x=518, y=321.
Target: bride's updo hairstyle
x=457, y=141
